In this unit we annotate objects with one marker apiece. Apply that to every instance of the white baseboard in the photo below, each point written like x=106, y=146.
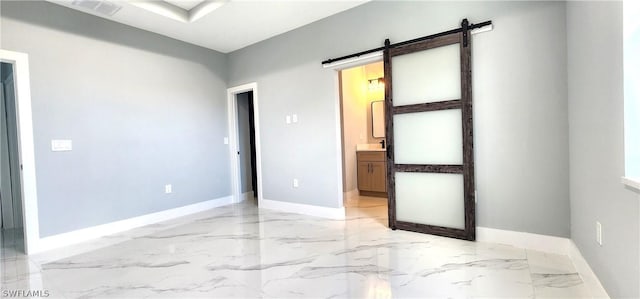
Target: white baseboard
x=324, y=212
x=538, y=242
x=94, y=232
x=551, y=244
x=588, y=276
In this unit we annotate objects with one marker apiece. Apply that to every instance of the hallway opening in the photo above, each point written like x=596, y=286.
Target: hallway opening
x=11, y=216
x=244, y=143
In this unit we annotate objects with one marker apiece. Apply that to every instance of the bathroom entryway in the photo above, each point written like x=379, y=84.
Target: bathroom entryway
x=363, y=150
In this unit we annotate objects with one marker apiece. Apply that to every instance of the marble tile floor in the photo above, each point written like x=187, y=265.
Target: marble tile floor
x=240, y=251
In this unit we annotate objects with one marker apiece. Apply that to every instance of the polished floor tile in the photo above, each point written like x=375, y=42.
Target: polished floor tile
x=240, y=251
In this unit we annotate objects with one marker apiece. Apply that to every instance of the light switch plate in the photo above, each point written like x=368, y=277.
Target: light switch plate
x=226, y=140
x=288, y=119
x=294, y=118
x=61, y=145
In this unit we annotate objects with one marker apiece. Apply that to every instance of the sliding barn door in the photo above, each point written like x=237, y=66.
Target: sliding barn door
x=430, y=135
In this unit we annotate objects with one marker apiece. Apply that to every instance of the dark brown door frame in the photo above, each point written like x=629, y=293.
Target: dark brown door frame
x=465, y=104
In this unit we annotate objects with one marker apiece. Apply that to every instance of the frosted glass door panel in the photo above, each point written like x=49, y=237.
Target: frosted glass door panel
x=433, y=137
x=430, y=198
x=427, y=76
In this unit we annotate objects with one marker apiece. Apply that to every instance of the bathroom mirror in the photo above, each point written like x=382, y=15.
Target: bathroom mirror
x=377, y=118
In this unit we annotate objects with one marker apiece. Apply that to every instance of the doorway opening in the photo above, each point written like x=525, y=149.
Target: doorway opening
x=244, y=143
x=11, y=215
x=363, y=141
x=246, y=146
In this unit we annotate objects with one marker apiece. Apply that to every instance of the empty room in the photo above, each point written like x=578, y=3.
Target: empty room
x=319, y=149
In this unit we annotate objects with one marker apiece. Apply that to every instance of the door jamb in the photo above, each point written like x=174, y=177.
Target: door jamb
x=232, y=108
x=26, y=149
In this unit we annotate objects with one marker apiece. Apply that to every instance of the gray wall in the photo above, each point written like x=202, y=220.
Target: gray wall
x=142, y=110
x=244, y=142
x=519, y=92
x=596, y=105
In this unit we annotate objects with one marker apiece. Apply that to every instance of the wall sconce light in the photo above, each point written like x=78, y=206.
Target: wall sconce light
x=375, y=84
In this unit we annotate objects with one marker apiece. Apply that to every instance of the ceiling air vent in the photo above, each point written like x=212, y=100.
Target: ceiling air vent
x=102, y=7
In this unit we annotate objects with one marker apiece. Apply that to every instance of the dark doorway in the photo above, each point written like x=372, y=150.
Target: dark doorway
x=11, y=219
x=247, y=144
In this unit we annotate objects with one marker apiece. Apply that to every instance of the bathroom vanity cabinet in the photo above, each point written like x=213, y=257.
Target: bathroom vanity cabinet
x=372, y=173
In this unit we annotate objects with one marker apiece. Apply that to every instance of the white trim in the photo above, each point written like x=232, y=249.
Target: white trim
x=176, y=13
x=232, y=105
x=94, y=232
x=631, y=182
x=338, y=114
x=26, y=157
x=355, y=61
x=551, y=244
x=482, y=29
x=233, y=146
x=590, y=279
x=317, y=211
x=538, y=242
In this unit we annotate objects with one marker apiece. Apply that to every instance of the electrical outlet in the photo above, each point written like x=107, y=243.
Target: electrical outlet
x=599, y=233
x=295, y=183
x=167, y=189
x=225, y=140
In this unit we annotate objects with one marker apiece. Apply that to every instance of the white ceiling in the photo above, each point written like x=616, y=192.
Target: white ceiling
x=233, y=26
